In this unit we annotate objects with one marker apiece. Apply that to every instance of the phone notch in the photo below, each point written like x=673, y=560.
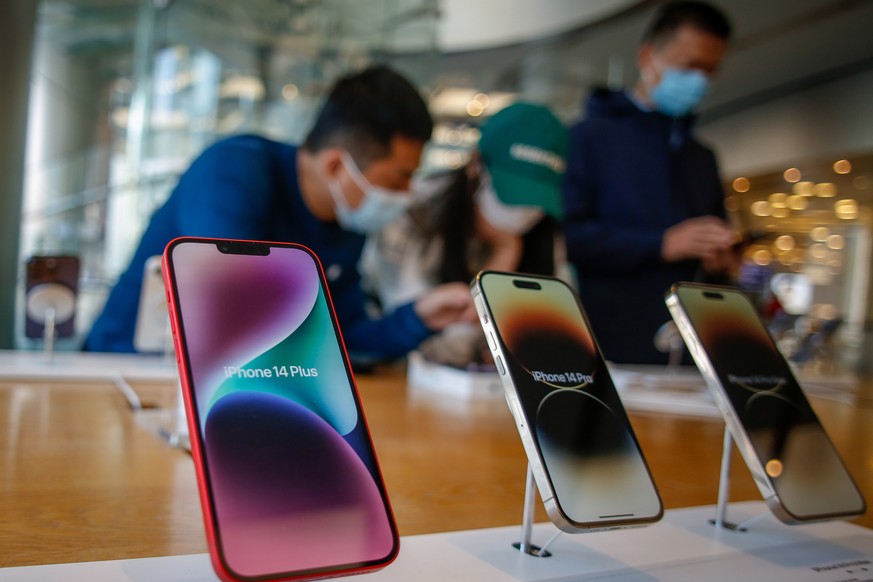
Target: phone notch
x=523, y=284
x=243, y=248
x=714, y=295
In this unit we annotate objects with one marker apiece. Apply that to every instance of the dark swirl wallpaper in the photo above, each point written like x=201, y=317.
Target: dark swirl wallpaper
x=591, y=457
x=790, y=443
x=290, y=469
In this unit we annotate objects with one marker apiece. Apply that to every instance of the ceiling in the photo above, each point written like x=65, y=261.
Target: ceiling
x=555, y=53
x=779, y=46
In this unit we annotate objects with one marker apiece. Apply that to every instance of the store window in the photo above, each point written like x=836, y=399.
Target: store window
x=125, y=94
x=807, y=254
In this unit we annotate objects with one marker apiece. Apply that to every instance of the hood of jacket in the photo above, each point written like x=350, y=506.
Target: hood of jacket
x=607, y=103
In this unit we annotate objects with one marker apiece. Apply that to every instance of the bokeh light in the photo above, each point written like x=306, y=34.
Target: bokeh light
x=842, y=166
x=742, y=184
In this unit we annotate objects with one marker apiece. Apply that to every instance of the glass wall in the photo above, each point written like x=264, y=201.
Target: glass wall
x=126, y=93
x=807, y=256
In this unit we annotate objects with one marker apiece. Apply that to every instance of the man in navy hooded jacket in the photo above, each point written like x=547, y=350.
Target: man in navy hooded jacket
x=643, y=199
x=350, y=177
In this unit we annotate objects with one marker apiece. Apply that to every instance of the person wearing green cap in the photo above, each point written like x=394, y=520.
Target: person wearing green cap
x=499, y=211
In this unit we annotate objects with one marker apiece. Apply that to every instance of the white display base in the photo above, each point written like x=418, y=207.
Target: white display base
x=682, y=389
x=682, y=547
x=82, y=366
x=423, y=374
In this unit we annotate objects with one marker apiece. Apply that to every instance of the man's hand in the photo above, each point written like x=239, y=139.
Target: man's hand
x=445, y=304
x=704, y=237
x=721, y=262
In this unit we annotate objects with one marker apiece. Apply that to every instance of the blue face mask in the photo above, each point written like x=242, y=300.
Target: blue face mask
x=680, y=91
x=379, y=207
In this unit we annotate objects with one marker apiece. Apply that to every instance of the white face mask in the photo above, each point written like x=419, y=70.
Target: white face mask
x=379, y=207
x=513, y=219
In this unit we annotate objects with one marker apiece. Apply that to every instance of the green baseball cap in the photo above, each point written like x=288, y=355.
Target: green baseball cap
x=524, y=147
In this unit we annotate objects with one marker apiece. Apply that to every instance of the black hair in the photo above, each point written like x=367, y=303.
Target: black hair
x=699, y=15
x=451, y=217
x=364, y=111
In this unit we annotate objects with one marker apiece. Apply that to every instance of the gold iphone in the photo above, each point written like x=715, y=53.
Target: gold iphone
x=794, y=463
x=582, y=450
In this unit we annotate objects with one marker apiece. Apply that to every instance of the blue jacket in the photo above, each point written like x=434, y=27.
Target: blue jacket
x=631, y=174
x=246, y=187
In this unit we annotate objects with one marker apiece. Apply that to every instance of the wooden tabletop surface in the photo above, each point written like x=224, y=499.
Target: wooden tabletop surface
x=83, y=477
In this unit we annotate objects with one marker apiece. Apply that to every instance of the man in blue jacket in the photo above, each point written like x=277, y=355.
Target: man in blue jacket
x=350, y=177
x=643, y=198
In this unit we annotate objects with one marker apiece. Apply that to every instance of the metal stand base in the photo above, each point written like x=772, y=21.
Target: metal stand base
x=724, y=484
x=177, y=435
x=49, y=333
x=530, y=498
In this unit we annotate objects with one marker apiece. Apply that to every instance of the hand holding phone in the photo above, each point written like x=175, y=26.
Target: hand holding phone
x=581, y=447
x=798, y=471
x=289, y=483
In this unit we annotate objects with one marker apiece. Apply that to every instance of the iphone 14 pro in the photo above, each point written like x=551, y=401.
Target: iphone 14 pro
x=582, y=450
x=793, y=462
x=289, y=482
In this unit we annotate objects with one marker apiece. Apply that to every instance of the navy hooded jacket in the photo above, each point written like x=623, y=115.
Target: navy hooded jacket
x=631, y=174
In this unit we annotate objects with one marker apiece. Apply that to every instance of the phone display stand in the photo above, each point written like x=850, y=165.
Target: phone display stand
x=724, y=484
x=50, y=305
x=530, y=498
x=176, y=434
x=668, y=341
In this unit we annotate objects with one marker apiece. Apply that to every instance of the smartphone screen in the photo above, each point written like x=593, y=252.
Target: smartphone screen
x=589, y=467
x=288, y=474
x=772, y=422
x=51, y=282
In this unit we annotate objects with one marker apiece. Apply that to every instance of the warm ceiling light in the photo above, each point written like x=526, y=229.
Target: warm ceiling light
x=742, y=184
x=778, y=200
x=825, y=190
x=780, y=212
x=846, y=209
x=792, y=175
x=820, y=233
x=836, y=242
x=804, y=189
x=818, y=251
x=762, y=257
x=761, y=208
x=784, y=242
x=483, y=99
x=842, y=166
x=475, y=108
x=797, y=202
